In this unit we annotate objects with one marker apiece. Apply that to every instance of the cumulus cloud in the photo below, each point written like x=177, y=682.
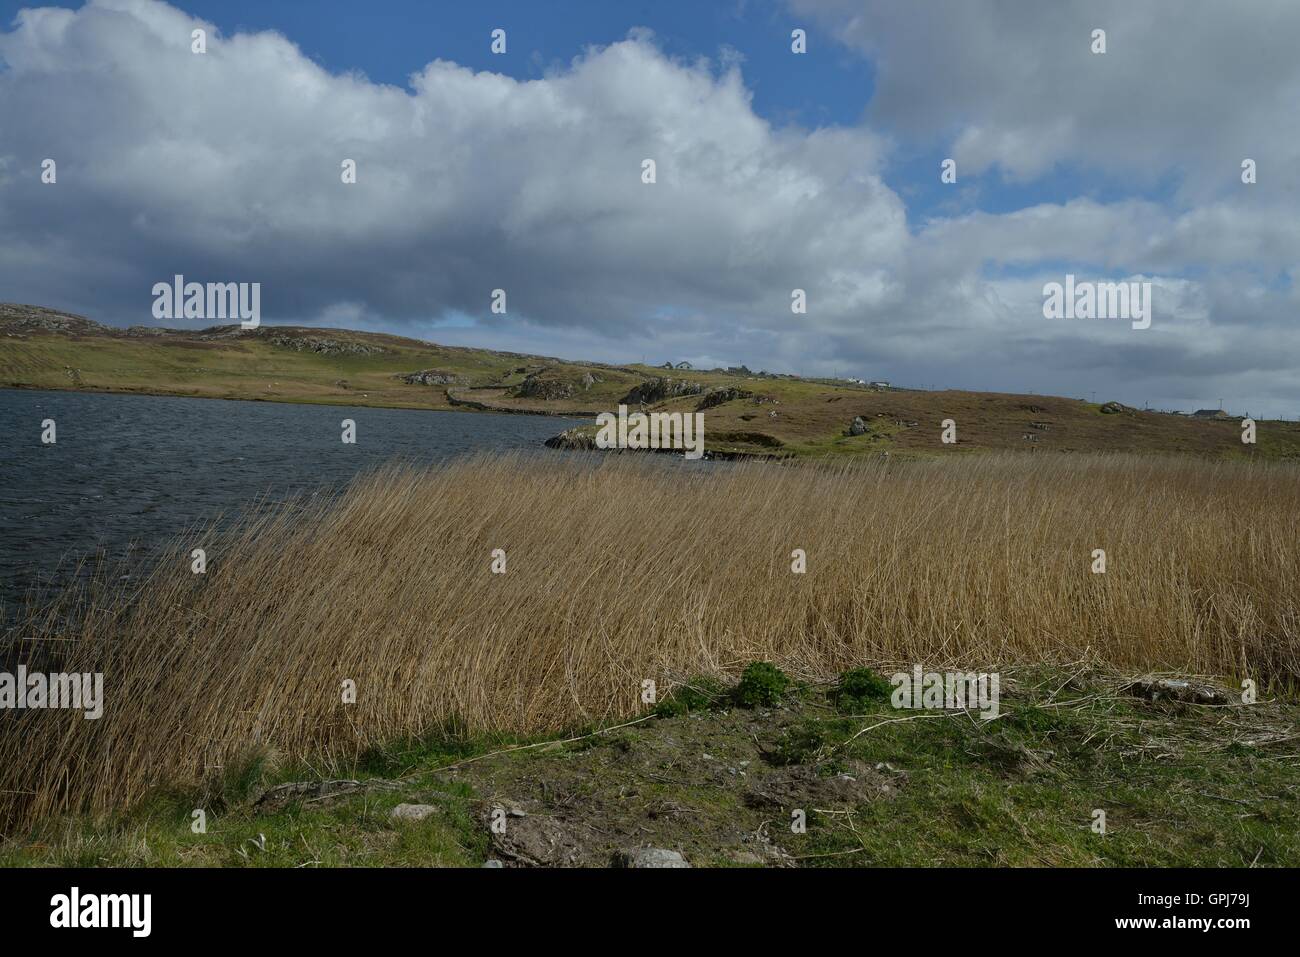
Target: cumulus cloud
x=226, y=166
x=1186, y=90
x=1185, y=85
x=229, y=163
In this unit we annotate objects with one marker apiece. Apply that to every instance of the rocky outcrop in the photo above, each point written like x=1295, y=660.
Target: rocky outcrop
x=858, y=427
x=659, y=389
x=325, y=346
x=536, y=387
x=15, y=316
x=431, y=377
x=548, y=385
x=716, y=397
x=573, y=440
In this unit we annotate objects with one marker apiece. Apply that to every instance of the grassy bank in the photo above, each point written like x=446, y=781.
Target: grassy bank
x=721, y=783
x=624, y=571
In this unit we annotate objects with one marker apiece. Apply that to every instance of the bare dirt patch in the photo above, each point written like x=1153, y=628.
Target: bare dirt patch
x=702, y=784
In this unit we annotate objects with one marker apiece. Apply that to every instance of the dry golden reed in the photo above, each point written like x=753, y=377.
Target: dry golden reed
x=625, y=568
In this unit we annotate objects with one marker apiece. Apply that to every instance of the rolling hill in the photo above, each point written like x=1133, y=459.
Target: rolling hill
x=746, y=413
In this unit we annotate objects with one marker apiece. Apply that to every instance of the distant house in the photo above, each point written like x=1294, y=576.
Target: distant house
x=880, y=385
x=1210, y=414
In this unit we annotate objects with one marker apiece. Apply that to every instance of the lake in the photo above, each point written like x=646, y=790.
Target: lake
x=128, y=471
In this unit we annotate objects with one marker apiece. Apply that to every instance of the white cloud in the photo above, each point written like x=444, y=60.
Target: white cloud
x=225, y=166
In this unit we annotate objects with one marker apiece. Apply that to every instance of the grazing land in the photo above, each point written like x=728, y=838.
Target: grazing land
x=746, y=413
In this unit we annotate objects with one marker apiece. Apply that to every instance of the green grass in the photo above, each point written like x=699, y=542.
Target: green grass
x=976, y=797
x=1181, y=785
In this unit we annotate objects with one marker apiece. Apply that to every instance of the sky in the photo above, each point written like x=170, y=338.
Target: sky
x=774, y=171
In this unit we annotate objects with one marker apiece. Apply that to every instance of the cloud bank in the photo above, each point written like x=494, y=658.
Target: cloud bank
x=225, y=166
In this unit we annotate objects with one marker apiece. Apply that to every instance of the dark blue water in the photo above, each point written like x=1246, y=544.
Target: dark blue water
x=128, y=472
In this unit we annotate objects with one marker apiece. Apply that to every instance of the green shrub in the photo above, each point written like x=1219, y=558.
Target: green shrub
x=799, y=744
x=762, y=683
x=859, y=687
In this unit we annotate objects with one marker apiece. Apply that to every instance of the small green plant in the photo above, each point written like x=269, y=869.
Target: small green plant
x=762, y=683
x=859, y=687
x=243, y=773
x=698, y=694
x=800, y=744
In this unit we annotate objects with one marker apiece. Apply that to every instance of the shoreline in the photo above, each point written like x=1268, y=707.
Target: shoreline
x=459, y=405
x=90, y=390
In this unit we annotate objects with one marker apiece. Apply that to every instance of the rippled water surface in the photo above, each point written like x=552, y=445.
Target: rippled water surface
x=127, y=472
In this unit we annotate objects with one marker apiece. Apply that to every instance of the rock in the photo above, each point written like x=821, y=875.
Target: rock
x=492, y=862
x=574, y=439
x=21, y=316
x=536, y=386
x=651, y=857
x=656, y=390
x=430, y=377
x=858, y=427
x=716, y=397
x=412, y=812
x=311, y=343
x=1112, y=408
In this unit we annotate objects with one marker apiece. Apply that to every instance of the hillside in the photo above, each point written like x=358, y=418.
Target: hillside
x=746, y=413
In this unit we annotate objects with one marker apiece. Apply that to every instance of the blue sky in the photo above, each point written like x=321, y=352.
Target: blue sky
x=776, y=171
x=390, y=40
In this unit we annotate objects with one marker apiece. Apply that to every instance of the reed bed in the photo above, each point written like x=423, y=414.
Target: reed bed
x=619, y=569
